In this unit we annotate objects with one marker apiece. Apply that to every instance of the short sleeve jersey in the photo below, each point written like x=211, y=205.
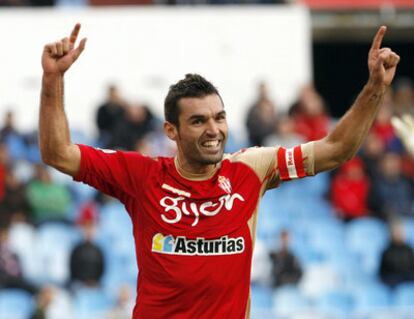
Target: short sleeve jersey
x=194, y=236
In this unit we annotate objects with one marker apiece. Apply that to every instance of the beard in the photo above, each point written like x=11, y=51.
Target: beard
x=196, y=154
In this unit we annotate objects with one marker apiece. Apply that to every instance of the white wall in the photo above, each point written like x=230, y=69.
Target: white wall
x=146, y=49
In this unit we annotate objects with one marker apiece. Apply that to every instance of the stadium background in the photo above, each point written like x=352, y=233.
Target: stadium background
x=145, y=47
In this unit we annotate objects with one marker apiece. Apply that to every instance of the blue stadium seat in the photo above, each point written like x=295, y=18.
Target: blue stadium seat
x=335, y=303
x=91, y=303
x=371, y=297
x=326, y=236
x=348, y=267
x=404, y=295
x=16, y=146
x=289, y=300
x=261, y=297
x=82, y=193
x=54, y=244
x=114, y=221
x=367, y=237
x=15, y=304
x=22, y=239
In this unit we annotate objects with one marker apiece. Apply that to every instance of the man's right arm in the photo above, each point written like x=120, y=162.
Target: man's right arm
x=54, y=138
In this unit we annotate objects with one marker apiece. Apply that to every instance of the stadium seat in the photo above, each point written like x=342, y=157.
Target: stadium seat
x=335, y=303
x=16, y=146
x=91, y=303
x=318, y=279
x=326, y=236
x=15, y=304
x=289, y=300
x=404, y=295
x=348, y=267
x=359, y=237
x=61, y=305
x=371, y=297
x=261, y=297
x=23, y=239
x=54, y=244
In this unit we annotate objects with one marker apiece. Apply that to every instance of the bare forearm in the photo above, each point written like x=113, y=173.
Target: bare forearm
x=54, y=137
x=345, y=140
x=354, y=126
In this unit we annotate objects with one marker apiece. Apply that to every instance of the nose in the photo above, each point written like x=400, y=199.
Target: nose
x=212, y=128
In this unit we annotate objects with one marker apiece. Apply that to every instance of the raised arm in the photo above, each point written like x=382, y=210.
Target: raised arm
x=343, y=142
x=54, y=137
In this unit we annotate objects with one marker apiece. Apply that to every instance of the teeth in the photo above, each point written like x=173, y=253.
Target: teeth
x=211, y=143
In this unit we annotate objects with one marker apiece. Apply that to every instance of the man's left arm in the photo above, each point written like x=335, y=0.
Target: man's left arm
x=346, y=138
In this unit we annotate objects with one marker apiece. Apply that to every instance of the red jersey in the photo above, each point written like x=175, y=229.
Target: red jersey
x=194, y=235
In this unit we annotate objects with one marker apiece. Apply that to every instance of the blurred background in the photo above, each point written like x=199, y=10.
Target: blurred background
x=339, y=245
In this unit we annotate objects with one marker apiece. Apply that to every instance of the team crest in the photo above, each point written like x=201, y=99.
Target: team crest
x=224, y=184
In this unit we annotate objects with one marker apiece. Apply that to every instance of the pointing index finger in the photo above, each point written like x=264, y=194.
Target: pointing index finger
x=376, y=43
x=74, y=35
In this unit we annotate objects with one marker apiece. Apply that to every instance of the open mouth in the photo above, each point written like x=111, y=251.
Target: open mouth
x=211, y=145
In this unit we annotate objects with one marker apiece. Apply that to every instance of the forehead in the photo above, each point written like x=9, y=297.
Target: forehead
x=208, y=105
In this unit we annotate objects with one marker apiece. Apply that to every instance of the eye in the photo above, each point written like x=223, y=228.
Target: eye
x=197, y=122
x=221, y=117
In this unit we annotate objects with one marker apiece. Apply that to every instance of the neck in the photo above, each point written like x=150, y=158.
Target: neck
x=187, y=168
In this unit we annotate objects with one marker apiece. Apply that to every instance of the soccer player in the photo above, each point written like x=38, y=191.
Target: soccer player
x=194, y=216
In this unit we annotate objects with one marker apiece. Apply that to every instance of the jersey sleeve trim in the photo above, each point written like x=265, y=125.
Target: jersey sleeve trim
x=82, y=167
x=290, y=162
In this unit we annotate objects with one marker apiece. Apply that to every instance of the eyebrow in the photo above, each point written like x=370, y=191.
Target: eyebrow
x=201, y=117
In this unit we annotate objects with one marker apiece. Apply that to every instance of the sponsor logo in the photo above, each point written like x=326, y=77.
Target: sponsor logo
x=197, y=247
x=179, y=206
x=224, y=184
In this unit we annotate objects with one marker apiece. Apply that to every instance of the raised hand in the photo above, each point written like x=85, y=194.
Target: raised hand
x=57, y=57
x=382, y=62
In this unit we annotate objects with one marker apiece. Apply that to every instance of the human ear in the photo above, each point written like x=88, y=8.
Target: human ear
x=170, y=130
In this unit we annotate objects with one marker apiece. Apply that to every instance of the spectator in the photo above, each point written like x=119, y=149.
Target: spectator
x=9, y=127
x=13, y=138
x=391, y=192
x=4, y=167
x=350, y=189
x=397, y=261
x=311, y=120
x=14, y=205
x=86, y=259
x=109, y=114
x=382, y=127
x=261, y=117
x=285, y=134
x=285, y=267
x=11, y=275
x=138, y=121
x=371, y=153
x=48, y=200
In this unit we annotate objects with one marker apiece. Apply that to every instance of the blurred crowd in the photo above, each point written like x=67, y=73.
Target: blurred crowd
x=377, y=183
x=82, y=3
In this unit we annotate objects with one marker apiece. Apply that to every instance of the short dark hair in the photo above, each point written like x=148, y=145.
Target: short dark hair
x=193, y=85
